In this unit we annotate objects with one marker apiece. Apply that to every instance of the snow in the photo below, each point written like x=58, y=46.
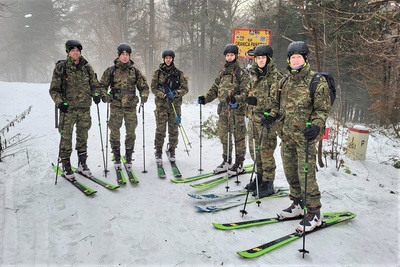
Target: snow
x=155, y=223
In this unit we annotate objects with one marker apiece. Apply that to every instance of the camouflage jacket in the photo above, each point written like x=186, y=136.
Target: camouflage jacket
x=264, y=85
x=80, y=84
x=297, y=107
x=123, y=80
x=159, y=86
x=227, y=82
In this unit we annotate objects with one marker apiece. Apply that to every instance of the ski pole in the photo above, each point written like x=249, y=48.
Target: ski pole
x=181, y=128
x=59, y=145
x=201, y=144
x=228, y=156
x=256, y=155
x=254, y=152
x=101, y=137
x=235, y=137
x=144, y=143
x=108, y=114
x=303, y=250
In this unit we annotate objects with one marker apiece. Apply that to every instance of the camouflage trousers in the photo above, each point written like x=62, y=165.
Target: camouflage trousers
x=166, y=117
x=265, y=164
x=83, y=121
x=232, y=122
x=117, y=115
x=293, y=153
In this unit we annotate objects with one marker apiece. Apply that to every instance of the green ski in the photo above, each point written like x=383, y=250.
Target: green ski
x=267, y=247
x=81, y=186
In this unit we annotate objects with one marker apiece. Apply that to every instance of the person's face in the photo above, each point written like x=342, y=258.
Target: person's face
x=229, y=57
x=75, y=53
x=168, y=60
x=124, y=57
x=296, y=60
x=261, y=61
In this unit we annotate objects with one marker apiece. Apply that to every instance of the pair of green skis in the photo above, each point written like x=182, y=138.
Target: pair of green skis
x=329, y=219
x=217, y=180
x=121, y=176
x=84, y=188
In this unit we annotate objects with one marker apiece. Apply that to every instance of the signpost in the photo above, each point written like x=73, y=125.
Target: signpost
x=248, y=38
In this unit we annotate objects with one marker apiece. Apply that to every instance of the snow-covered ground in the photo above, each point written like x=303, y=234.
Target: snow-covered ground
x=155, y=223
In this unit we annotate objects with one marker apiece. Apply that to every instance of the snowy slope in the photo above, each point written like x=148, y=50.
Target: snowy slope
x=154, y=223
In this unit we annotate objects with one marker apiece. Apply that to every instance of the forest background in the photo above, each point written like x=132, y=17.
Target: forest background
x=356, y=41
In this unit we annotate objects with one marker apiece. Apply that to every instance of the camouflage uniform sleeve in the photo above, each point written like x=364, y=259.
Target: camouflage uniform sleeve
x=322, y=104
x=183, y=87
x=155, y=87
x=242, y=92
x=105, y=81
x=55, y=90
x=142, y=85
x=213, y=92
x=94, y=82
x=274, y=104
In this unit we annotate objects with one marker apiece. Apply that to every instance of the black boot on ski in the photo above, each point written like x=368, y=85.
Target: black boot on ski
x=170, y=152
x=67, y=170
x=128, y=158
x=117, y=157
x=82, y=165
x=265, y=189
x=158, y=154
x=253, y=185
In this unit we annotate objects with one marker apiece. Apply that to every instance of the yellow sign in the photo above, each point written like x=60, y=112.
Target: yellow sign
x=246, y=39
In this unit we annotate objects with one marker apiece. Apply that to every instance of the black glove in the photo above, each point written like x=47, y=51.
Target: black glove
x=231, y=99
x=96, y=99
x=267, y=120
x=63, y=107
x=252, y=100
x=311, y=132
x=201, y=100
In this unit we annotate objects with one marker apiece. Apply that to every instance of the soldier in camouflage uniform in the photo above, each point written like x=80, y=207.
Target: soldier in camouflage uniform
x=72, y=88
x=123, y=79
x=230, y=87
x=262, y=98
x=169, y=85
x=296, y=109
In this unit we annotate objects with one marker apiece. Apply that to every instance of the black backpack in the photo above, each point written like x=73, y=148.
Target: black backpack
x=331, y=83
x=172, y=81
x=313, y=86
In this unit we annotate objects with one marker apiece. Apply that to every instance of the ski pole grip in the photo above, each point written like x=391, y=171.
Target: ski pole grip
x=308, y=124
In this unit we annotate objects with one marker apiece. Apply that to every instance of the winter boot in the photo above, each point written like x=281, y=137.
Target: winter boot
x=128, y=158
x=311, y=220
x=253, y=185
x=117, y=158
x=67, y=170
x=158, y=155
x=237, y=168
x=224, y=166
x=82, y=166
x=295, y=210
x=265, y=189
x=170, y=153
